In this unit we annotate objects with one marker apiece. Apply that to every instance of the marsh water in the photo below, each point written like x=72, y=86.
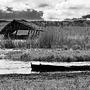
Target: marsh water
x=10, y=67
x=21, y=67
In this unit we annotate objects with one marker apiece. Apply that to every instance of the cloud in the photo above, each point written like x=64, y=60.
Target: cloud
x=68, y=9
x=52, y=9
x=43, y=5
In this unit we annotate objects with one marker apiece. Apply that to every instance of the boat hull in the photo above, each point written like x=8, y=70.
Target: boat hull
x=51, y=68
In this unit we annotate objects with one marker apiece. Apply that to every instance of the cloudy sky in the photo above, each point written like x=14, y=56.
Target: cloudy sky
x=51, y=9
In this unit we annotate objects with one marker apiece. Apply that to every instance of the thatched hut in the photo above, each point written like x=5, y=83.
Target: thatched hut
x=21, y=29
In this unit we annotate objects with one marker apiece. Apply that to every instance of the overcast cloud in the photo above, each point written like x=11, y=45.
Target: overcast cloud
x=52, y=9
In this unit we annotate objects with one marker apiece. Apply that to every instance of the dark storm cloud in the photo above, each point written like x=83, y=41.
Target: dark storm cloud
x=9, y=9
x=20, y=14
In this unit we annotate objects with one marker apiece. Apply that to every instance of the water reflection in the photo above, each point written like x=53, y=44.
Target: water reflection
x=11, y=67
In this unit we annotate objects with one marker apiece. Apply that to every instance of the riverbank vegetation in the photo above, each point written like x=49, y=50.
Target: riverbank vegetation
x=49, y=55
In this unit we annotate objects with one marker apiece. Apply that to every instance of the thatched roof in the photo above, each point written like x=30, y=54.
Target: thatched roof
x=3, y=24
x=20, y=25
x=30, y=25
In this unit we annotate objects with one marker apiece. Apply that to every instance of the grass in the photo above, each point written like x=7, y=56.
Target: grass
x=29, y=52
x=17, y=44
x=46, y=81
x=49, y=55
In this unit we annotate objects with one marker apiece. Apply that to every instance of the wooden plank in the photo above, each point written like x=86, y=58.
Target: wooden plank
x=62, y=63
x=50, y=68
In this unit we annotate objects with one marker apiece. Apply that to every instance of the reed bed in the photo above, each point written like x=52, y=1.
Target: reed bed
x=17, y=44
x=53, y=38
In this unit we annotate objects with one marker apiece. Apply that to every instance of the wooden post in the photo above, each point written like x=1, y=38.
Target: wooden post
x=16, y=34
x=28, y=33
x=36, y=33
x=33, y=33
x=9, y=36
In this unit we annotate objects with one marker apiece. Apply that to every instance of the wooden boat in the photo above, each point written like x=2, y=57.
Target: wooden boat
x=53, y=68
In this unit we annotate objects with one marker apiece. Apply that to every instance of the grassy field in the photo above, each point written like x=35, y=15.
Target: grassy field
x=46, y=81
